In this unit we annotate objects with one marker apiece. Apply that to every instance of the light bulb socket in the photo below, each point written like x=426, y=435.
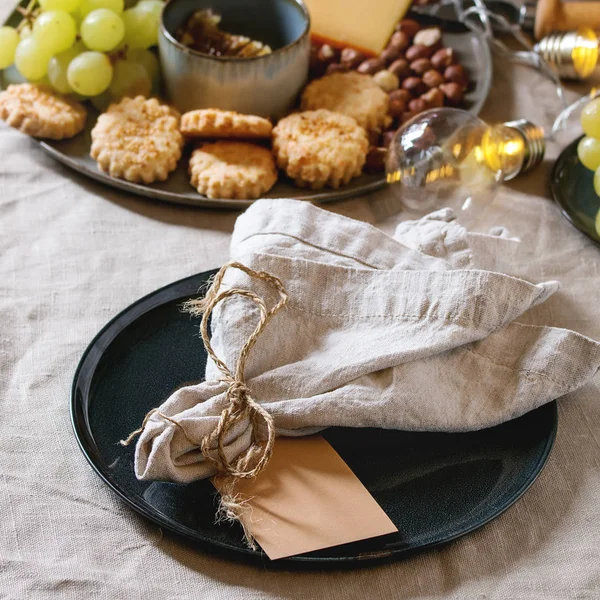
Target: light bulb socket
x=535, y=144
x=563, y=51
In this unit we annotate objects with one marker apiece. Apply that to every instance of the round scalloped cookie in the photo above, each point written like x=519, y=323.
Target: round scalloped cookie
x=319, y=148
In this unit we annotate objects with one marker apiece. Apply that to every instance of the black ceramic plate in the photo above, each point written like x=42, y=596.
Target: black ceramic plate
x=471, y=50
x=573, y=190
x=435, y=487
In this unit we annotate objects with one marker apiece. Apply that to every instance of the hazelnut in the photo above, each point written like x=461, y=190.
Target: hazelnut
x=400, y=68
x=418, y=51
x=417, y=105
x=375, y=162
x=400, y=95
x=370, y=66
x=407, y=116
x=409, y=27
x=388, y=136
x=326, y=54
x=454, y=92
x=315, y=64
x=443, y=58
x=432, y=78
x=420, y=66
x=456, y=73
x=434, y=98
x=400, y=41
x=396, y=107
x=430, y=37
x=335, y=68
x=386, y=80
x=390, y=54
x=351, y=58
x=414, y=85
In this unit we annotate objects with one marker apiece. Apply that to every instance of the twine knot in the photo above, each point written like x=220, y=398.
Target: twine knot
x=239, y=404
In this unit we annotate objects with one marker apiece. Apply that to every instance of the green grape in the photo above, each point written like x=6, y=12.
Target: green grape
x=87, y=6
x=25, y=32
x=89, y=74
x=129, y=80
x=590, y=118
x=31, y=58
x=58, y=65
x=154, y=7
x=9, y=40
x=12, y=75
x=55, y=30
x=145, y=58
x=66, y=5
x=78, y=97
x=102, y=30
x=102, y=101
x=141, y=28
x=588, y=151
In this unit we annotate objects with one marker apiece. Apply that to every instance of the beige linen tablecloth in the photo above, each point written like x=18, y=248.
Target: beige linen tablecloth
x=73, y=253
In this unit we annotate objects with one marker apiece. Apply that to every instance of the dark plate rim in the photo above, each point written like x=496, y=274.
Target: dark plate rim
x=81, y=434
x=558, y=197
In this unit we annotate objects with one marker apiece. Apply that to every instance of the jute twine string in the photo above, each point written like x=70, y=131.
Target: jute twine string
x=240, y=405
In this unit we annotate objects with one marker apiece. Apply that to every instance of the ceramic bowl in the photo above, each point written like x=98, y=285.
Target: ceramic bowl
x=265, y=85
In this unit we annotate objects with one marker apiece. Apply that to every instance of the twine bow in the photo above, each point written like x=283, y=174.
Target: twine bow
x=239, y=403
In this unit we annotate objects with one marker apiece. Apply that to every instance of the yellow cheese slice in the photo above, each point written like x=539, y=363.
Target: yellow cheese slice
x=362, y=24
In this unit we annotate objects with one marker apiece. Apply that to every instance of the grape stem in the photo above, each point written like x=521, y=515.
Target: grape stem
x=29, y=14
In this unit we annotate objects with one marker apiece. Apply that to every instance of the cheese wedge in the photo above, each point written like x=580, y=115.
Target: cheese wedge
x=362, y=24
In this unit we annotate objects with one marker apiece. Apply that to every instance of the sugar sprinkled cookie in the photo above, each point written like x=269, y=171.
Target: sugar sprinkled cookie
x=352, y=94
x=236, y=170
x=319, y=148
x=137, y=139
x=40, y=112
x=215, y=123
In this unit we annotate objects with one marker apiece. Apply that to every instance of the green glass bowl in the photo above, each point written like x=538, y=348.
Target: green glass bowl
x=572, y=187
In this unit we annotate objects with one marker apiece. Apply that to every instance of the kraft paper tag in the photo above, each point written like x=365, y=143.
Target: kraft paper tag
x=307, y=498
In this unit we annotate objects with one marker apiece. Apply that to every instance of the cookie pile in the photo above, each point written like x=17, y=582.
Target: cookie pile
x=231, y=166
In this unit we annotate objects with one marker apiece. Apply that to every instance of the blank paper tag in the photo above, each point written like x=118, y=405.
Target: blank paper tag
x=307, y=498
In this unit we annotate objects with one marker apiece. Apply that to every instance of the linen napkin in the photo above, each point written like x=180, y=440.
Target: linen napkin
x=416, y=332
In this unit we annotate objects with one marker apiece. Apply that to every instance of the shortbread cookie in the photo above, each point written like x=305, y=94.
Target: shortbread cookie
x=352, y=94
x=137, y=140
x=319, y=148
x=39, y=111
x=215, y=123
x=235, y=170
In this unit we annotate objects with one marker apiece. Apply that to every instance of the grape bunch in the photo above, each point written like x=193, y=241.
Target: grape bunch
x=588, y=149
x=87, y=48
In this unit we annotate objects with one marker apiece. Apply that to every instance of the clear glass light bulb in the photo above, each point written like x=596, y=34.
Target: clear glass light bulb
x=574, y=54
x=447, y=157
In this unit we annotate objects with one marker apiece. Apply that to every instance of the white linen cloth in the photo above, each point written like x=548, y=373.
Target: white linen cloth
x=403, y=333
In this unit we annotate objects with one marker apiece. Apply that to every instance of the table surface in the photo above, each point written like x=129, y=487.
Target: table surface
x=73, y=253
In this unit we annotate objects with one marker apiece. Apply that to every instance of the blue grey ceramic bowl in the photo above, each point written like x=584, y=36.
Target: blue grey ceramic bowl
x=265, y=85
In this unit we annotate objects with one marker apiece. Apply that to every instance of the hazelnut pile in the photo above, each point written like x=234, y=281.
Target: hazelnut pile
x=415, y=69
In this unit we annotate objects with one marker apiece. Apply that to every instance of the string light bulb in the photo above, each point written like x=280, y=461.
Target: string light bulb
x=573, y=54
x=449, y=157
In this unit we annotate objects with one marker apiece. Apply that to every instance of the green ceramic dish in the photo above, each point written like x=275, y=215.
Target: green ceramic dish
x=573, y=190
